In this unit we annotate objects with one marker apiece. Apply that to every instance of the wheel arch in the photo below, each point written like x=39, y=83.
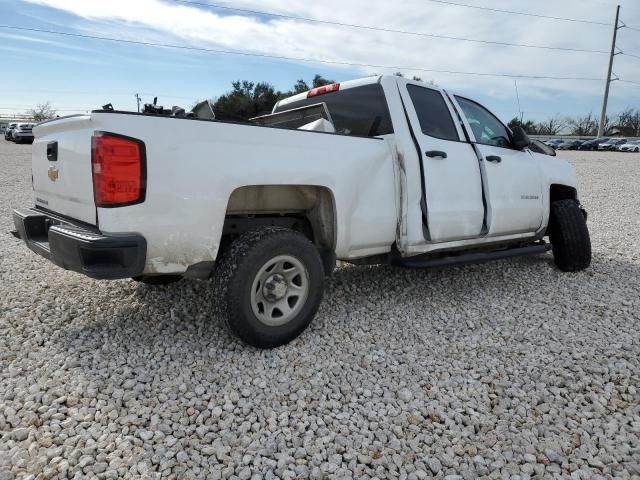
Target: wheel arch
x=310, y=209
x=559, y=191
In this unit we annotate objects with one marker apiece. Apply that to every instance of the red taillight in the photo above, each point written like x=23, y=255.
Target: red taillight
x=119, y=170
x=334, y=87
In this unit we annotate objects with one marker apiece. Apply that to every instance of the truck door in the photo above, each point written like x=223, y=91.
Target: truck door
x=513, y=184
x=452, y=185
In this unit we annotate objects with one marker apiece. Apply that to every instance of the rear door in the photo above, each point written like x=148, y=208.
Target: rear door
x=452, y=185
x=61, y=167
x=513, y=183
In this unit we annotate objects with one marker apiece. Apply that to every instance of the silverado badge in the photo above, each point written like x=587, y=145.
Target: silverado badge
x=52, y=174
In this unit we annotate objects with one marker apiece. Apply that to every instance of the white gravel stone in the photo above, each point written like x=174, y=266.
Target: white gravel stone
x=506, y=370
x=434, y=465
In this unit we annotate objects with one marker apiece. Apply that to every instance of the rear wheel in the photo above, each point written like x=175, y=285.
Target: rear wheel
x=569, y=236
x=270, y=284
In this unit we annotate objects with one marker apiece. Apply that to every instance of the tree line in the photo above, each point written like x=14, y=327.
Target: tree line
x=249, y=99
x=626, y=123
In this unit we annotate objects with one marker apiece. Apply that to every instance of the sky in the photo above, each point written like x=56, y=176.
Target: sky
x=76, y=74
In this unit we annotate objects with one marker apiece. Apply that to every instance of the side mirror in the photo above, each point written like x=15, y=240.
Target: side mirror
x=519, y=138
x=539, y=147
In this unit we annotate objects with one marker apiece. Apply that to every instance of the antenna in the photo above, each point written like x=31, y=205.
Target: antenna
x=515, y=82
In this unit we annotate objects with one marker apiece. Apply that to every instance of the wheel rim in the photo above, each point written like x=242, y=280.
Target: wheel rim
x=279, y=290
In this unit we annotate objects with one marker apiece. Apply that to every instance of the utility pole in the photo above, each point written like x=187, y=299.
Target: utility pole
x=138, y=100
x=605, y=100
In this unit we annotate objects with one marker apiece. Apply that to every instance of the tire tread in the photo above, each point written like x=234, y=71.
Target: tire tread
x=230, y=276
x=569, y=236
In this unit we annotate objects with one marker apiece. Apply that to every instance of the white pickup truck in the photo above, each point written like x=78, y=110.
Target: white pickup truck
x=401, y=173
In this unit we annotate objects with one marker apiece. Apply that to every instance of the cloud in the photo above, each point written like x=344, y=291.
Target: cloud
x=173, y=22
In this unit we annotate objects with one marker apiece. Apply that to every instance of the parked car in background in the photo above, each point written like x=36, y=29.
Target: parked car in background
x=612, y=144
x=8, y=133
x=593, y=144
x=554, y=143
x=23, y=133
x=570, y=145
x=631, y=146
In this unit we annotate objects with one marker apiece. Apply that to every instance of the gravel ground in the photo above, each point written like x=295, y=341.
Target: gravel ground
x=505, y=370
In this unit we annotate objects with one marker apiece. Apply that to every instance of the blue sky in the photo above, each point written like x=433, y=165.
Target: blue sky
x=76, y=74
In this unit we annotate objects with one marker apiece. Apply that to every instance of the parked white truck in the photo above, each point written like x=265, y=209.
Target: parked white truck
x=413, y=176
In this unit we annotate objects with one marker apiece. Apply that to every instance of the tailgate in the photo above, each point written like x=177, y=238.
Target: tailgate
x=61, y=167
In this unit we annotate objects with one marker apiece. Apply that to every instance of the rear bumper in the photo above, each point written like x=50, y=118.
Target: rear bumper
x=81, y=248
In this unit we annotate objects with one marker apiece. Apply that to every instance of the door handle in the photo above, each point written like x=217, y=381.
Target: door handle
x=436, y=154
x=494, y=159
x=52, y=151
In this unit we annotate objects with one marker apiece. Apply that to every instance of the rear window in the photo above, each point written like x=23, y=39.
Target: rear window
x=355, y=111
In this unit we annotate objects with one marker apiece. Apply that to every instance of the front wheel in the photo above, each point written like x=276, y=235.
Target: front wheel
x=270, y=284
x=569, y=236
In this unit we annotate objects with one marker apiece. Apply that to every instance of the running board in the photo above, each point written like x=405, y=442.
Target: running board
x=423, y=261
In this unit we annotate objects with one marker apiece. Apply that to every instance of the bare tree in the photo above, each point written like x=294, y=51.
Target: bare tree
x=629, y=121
x=43, y=111
x=552, y=126
x=584, y=125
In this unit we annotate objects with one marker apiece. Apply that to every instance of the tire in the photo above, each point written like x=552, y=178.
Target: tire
x=158, y=279
x=260, y=306
x=569, y=236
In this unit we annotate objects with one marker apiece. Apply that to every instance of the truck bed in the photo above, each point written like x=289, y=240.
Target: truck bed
x=192, y=168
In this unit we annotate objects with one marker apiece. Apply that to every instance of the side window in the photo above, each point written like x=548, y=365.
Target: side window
x=433, y=114
x=487, y=129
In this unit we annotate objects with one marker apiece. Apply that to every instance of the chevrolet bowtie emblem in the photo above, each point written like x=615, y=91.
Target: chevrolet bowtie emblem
x=52, y=174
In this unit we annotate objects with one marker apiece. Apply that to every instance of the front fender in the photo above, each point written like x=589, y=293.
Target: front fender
x=554, y=171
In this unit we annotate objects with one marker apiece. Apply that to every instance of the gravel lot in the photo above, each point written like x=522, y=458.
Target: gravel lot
x=506, y=370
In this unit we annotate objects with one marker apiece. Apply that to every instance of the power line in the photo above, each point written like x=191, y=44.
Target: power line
x=629, y=55
x=388, y=30
x=629, y=81
x=513, y=12
x=297, y=59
